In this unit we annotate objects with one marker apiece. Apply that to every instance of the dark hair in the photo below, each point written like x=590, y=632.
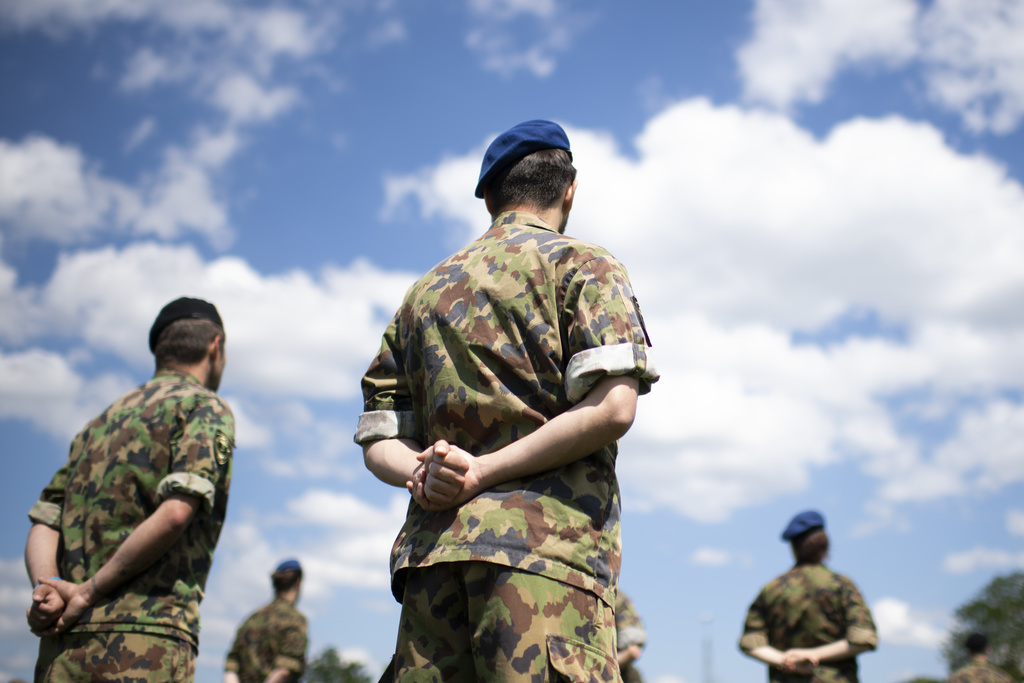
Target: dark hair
x=184, y=342
x=811, y=546
x=286, y=580
x=976, y=643
x=538, y=180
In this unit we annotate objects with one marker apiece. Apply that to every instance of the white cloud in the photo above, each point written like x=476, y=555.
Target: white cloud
x=975, y=60
x=724, y=217
x=982, y=558
x=798, y=46
x=899, y=624
x=245, y=100
x=1015, y=522
x=49, y=191
x=140, y=133
x=969, y=51
x=522, y=35
x=711, y=557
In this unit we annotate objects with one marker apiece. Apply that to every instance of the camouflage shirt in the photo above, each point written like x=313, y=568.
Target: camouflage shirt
x=168, y=436
x=273, y=637
x=806, y=607
x=980, y=672
x=504, y=335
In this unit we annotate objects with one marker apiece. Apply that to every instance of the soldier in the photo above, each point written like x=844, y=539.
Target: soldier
x=631, y=638
x=497, y=397
x=979, y=670
x=809, y=624
x=270, y=646
x=123, y=536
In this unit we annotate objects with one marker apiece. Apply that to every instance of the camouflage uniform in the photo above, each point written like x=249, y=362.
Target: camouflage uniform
x=806, y=607
x=629, y=631
x=273, y=637
x=496, y=340
x=168, y=436
x=980, y=672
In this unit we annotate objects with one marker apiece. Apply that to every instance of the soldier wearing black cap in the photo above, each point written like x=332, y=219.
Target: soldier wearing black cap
x=809, y=624
x=516, y=364
x=123, y=536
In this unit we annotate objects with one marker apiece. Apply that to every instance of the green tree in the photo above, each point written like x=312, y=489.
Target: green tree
x=998, y=612
x=328, y=667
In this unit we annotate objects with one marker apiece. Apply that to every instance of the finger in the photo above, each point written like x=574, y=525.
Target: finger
x=442, y=447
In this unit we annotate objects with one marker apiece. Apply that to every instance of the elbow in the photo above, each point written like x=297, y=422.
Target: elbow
x=178, y=513
x=620, y=419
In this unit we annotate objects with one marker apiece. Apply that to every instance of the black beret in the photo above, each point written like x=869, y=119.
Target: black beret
x=805, y=521
x=515, y=143
x=178, y=309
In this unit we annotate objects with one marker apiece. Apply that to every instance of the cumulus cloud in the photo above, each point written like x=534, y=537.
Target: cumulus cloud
x=969, y=52
x=899, y=624
x=798, y=47
x=717, y=557
x=48, y=190
x=747, y=234
x=982, y=558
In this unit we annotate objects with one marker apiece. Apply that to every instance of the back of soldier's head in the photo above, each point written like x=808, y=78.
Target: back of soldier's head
x=538, y=180
x=810, y=547
x=185, y=341
x=286, y=576
x=976, y=643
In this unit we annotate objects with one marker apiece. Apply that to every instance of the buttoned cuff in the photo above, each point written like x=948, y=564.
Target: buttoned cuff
x=188, y=484
x=46, y=513
x=589, y=366
x=385, y=424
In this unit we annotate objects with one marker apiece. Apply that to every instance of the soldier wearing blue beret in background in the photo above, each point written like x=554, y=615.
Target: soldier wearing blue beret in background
x=270, y=646
x=123, y=536
x=496, y=398
x=809, y=624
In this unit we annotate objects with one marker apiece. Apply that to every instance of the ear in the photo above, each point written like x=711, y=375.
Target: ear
x=570, y=194
x=214, y=350
x=488, y=201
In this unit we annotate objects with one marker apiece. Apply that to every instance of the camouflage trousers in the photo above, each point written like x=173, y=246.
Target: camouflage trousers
x=109, y=656
x=479, y=621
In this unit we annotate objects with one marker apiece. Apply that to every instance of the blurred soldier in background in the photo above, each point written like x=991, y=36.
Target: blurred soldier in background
x=270, y=646
x=979, y=670
x=516, y=364
x=123, y=536
x=631, y=638
x=809, y=624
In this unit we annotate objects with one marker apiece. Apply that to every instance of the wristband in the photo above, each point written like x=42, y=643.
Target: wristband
x=52, y=578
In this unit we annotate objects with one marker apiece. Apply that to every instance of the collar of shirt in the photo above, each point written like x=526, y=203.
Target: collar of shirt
x=173, y=372
x=521, y=218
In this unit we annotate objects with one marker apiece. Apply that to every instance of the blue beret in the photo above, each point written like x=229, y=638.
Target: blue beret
x=515, y=143
x=178, y=309
x=805, y=521
x=288, y=565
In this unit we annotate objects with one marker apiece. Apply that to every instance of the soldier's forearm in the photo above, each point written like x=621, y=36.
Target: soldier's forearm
x=146, y=544
x=41, y=552
x=604, y=415
x=841, y=649
x=393, y=461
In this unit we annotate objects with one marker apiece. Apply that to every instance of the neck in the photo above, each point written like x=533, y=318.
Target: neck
x=980, y=658
x=201, y=371
x=290, y=595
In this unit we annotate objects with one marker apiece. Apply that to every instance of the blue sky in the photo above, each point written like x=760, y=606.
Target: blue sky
x=820, y=203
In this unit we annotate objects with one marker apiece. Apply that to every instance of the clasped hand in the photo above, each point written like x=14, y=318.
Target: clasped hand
x=57, y=605
x=446, y=477
x=799, y=661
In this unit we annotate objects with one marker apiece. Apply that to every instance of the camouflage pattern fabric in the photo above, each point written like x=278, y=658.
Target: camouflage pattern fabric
x=480, y=621
x=273, y=637
x=496, y=340
x=629, y=631
x=115, y=658
x=806, y=607
x=168, y=436
x=980, y=672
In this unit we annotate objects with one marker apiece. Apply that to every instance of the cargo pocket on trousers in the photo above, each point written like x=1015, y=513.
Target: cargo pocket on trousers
x=578, y=662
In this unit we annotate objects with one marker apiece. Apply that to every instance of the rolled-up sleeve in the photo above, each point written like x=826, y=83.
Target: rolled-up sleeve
x=50, y=506
x=387, y=402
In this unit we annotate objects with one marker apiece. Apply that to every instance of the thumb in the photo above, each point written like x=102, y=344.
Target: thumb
x=441, y=447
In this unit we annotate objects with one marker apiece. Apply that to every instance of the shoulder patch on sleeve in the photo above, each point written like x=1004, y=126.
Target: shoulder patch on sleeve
x=222, y=447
